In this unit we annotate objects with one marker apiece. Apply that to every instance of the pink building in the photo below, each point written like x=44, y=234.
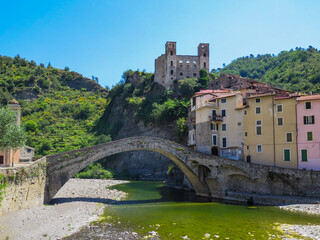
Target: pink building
x=308, y=126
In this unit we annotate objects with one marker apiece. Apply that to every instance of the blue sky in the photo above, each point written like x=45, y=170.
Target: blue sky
x=106, y=37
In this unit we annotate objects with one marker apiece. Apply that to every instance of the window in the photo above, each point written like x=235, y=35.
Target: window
x=194, y=62
x=239, y=123
x=259, y=127
x=181, y=74
x=212, y=126
x=245, y=134
x=193, y=137
x=286, y=155
x=289, y=137
x=214, y=140
x=196, y=75
x=247, y=147
x=259, y=130
x=308, y=105
x=171, y=53
x=279, y=108
x=280, y=121
x=171, y=72
x=187, y=61
x=258, y=110
x=304, y=155
x=258, y=100
x=204, y=54
x=171, y=63
x=214, y=112
x=224, y=142
x=204, y=65
x=223, y=100
x=223, y=113
x=259, y=148
x=308, y=119
x=180, y=61
x=224, y=127
x=245, y=112
x=309, y=136
x=217, y=126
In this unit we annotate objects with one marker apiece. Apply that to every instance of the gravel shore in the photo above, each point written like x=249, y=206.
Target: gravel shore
x=79, y=202
x=311, y=231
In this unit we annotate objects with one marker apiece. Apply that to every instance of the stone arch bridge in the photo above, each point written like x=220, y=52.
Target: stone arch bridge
x=209, y=175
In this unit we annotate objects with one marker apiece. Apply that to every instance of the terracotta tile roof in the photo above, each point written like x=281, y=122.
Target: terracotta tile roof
x=309, y=97
x=212, y=92
x=227, y=95
x=261, y=95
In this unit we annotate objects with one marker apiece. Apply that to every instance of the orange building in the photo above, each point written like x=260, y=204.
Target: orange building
x=9, y=157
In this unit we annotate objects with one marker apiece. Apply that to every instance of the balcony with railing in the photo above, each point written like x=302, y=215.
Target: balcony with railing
x=216, y=118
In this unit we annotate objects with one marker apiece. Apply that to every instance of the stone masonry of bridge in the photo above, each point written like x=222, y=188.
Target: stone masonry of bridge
x=209, y=175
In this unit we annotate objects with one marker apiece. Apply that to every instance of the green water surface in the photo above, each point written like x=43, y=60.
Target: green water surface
x=152, y=207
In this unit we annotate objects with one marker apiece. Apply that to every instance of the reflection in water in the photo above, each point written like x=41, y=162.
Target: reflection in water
x=174, y=214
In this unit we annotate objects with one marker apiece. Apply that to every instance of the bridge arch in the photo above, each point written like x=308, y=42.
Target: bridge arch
x=63, y=166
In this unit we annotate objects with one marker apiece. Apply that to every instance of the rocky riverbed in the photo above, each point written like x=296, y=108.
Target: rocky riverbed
x=311, y=231
x=79, y=202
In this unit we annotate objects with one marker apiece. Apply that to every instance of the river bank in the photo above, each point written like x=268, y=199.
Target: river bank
x=311, y=231
x=79, y=202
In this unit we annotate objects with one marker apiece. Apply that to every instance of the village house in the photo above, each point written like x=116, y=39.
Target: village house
x=216, y=117
x=308, y=117
x=9, y=158
x=270, y=130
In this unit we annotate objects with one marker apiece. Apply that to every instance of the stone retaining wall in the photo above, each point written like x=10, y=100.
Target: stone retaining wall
x=25, y=186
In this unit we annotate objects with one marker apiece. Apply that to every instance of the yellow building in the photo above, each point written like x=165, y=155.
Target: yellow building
x=270, y=130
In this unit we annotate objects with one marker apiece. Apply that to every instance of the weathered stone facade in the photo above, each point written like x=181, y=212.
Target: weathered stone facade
x=25, y=187
x=170, y=66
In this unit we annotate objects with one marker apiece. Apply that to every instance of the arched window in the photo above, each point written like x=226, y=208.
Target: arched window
x=171, y=53
x=171, y=72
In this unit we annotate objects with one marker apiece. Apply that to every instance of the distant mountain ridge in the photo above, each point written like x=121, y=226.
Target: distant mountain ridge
x=296, y=70
x=24, y=79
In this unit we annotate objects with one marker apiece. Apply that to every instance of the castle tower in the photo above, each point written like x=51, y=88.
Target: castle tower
x=203, y=54
x=171, y=56
x=170, y=66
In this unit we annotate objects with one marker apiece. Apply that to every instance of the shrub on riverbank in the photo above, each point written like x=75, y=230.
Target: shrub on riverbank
x=95, y=171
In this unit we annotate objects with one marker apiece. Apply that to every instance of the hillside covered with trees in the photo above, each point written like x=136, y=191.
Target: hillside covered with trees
x=24, y=79
x=59, y=108
x=297, y=70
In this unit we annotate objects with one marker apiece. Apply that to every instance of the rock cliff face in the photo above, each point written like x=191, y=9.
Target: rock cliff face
x=141, y=164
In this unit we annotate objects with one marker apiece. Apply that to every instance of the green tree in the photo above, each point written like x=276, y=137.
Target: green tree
x=12, y=136
x=204, y=79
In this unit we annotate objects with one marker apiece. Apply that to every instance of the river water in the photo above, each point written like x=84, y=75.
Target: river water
x=174, y=214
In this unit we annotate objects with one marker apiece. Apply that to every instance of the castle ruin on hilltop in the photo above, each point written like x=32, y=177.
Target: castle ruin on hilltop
x=170, y=66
